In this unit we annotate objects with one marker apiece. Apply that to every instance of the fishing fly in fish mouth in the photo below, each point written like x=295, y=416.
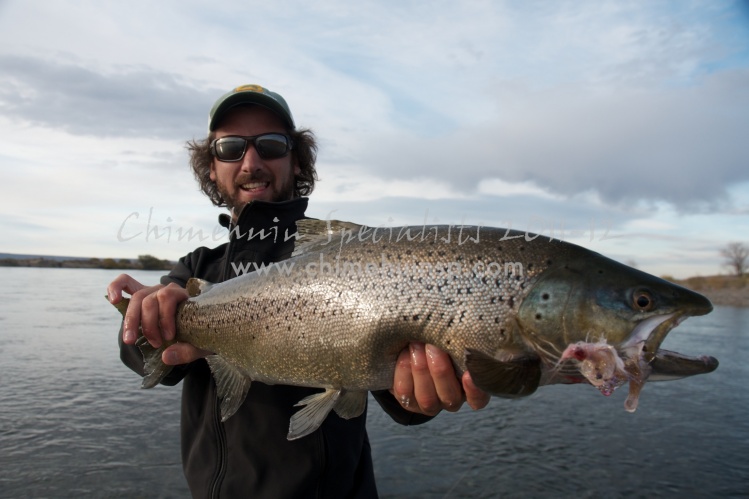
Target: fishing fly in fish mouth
x=566, y=315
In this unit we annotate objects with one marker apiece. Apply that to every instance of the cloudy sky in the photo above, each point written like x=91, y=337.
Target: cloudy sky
x=621, y=126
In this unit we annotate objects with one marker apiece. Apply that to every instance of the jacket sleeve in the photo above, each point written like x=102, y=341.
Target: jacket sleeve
x=393, y=409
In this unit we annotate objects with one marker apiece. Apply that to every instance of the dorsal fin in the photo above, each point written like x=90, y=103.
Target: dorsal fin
x=315, y=235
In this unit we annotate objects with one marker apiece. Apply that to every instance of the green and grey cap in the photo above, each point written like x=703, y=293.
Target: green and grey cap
x=250, y=94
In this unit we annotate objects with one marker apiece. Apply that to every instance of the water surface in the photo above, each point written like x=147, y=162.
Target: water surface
x=73, y=422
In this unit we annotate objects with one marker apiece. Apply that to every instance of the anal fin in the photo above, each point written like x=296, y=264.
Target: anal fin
x=232, y=385
x=512, y=378
x=316, y=408
x=351, y=404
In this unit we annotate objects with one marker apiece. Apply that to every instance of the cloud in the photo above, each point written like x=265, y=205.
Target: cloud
x=582, y=114
x=127, y=102
x=684, y=145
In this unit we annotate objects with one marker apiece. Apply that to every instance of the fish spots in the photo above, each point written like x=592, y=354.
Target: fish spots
x=545, y=296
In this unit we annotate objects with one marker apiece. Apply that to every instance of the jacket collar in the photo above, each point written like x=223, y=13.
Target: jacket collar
x=265, y=216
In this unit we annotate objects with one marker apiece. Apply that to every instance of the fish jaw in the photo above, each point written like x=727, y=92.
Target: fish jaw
x=647, y=336
x=607, y=368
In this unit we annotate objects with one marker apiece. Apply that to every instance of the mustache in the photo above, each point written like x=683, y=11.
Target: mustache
x=253, y=177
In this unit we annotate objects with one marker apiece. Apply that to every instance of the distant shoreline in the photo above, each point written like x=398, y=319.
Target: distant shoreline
x=729, y=291
x=143, y=262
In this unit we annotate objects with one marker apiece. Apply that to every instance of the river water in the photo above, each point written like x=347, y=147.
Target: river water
x=73, y=422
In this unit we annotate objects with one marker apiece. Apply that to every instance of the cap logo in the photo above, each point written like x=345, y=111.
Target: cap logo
x=250, y=88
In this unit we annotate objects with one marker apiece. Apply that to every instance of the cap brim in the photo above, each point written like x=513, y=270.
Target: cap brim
x=246, y=98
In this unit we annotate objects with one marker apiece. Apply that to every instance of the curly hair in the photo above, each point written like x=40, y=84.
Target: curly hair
x=304, y=151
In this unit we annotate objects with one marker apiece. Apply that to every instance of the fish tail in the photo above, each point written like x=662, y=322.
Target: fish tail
x=121, y=305
x=154, y=368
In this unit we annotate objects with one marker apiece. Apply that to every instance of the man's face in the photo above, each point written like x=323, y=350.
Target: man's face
x=252, y=178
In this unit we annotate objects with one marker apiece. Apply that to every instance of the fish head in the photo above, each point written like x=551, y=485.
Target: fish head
x=586, y=297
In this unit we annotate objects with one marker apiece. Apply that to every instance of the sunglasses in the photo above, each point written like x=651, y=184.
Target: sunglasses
x=268, y=146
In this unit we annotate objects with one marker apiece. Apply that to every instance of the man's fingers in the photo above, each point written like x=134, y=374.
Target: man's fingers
x=442, y=372
x=476, y=398
x=403, y=381
x=122, y=282
x=424, y=389
x=182, y=353
x=142, y=313
x=168, y=298
x=149, y=319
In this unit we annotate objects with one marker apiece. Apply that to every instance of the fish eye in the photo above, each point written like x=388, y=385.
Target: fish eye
x=642, y=300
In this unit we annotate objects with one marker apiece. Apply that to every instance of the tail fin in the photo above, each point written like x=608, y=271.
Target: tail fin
x=154, y=368
x=121, y=306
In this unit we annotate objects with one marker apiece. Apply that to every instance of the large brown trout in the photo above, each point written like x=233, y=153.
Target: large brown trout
x=514, y=309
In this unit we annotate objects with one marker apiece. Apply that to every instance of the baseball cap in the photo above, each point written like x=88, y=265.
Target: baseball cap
x=250, y=94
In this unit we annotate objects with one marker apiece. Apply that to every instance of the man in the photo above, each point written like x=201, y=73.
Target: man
x=256, y=163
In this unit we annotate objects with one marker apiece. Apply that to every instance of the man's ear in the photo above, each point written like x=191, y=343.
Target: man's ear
x=212, y=173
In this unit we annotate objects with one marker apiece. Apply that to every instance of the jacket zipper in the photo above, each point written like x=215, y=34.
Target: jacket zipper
x=221, y=451
x=221, y=454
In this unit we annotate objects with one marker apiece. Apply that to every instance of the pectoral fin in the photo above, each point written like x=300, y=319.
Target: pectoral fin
x=513, y=378
x=231, y=385
x=317, y=407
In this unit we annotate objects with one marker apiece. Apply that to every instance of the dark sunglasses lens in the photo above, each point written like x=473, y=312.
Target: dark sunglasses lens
x=271, y=146
x=230, y=148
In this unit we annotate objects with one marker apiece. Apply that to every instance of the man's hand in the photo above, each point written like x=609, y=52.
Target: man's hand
x=152, y=309
x=425, y=382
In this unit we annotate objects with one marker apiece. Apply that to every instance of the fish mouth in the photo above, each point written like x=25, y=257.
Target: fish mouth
x=637, y=360
x=645, y=341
